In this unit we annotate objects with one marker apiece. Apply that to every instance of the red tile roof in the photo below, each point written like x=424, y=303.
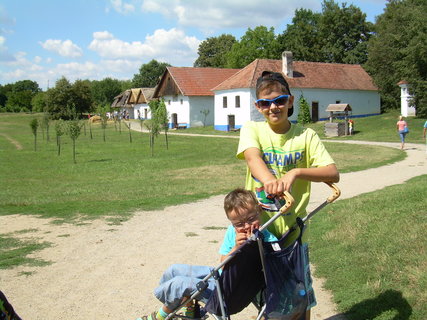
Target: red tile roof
x=195, y=81
x=305, y=75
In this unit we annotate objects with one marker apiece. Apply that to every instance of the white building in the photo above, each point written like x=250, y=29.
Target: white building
x=188, y=95
x=321, y=84
x=405, y=108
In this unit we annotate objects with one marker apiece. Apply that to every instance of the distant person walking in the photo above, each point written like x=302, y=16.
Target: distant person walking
x=402, y=128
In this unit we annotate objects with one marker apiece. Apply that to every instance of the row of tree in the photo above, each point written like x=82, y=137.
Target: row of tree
x=391, y=50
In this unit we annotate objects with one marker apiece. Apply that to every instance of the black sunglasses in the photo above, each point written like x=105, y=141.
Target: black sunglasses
x=278, y=101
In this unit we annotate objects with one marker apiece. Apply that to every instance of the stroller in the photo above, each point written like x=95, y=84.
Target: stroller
x=272, y=276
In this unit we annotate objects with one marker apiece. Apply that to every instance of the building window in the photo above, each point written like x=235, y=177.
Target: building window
x=224, y=102
x=237, y=101
x=169, y=102
x=338, y=101
x=182, y=101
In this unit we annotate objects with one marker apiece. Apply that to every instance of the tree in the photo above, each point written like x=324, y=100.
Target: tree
x=82, y=96
x=59, y=98
x=259, y=43
x=400, y=53
x=20, y=94
x=74, y=130
x=105, y=90
x=60, y=130
x=162, y=119
x=302, y=36
x=34, y=125
x=102, y=111
x=344, y=32
x=149, y=74
x=304, y=112
x=337, y=34
x=153, y=125
x=66, y=99
x=212, y=51
x=38, y=102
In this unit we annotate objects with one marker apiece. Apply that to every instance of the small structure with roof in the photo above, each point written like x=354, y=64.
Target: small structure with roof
x=406, y=109
x=134, y=102
x=337, y=111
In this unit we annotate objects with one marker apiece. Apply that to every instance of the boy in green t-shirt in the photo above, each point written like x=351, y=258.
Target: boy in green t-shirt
x=281, y=156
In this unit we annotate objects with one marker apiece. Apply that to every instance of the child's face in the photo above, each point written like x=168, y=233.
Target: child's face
x=245, y=219
x=275, y=114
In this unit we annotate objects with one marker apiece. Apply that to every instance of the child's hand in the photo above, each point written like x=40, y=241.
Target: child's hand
x=241, y=237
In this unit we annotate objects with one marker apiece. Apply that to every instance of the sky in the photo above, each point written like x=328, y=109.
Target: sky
x=43, y=40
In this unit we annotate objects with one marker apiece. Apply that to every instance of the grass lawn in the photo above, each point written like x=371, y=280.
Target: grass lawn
x=374, y=255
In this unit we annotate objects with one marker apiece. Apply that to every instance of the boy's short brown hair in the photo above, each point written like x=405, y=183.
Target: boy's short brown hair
x=240, y=199
x=273, y=80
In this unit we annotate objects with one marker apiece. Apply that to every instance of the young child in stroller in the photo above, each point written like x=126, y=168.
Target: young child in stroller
x=179, y=281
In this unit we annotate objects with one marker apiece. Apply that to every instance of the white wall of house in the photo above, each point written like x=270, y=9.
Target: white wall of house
x=363, y=103
x=241, y=114
x=144, y=111
x=181, y=106
x=200, y=104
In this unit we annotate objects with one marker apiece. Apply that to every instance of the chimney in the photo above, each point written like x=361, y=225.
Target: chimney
x=287, y=67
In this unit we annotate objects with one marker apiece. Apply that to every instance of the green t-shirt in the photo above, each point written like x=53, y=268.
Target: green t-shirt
x=298, y=148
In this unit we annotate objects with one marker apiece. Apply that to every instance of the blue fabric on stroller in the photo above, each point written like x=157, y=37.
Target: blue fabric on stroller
x=243, y=278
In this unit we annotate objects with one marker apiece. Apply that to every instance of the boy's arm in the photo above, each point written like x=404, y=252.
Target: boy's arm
x=259, y=170
x=327, y=173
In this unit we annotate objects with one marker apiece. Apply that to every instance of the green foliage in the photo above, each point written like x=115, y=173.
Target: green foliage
x=259, y=43
x=398, y=51
x=59, y=130
x=104, y=91
x=149, y=74
x=17, y=96
x=66, y=99
x=45, y=123
x=38, y=102
x=304, y=111
x=212, y=51
x=74, y=130
x=34, y=124
x=337, y=34
x=302, y=36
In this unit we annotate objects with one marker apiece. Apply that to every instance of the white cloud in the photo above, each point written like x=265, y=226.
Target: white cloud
x=218, y=14
x=122, y=7
x=37, y=59
x=171, y=46
x=64, y=48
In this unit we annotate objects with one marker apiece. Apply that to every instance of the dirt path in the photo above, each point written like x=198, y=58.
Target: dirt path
x=17, y=145
x=101, y=271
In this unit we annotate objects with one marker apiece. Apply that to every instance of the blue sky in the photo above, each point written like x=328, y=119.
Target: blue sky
x=42, y=40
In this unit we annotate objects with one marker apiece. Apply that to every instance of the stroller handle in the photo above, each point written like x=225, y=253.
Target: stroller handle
x=289, y=202
x=336, y=192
